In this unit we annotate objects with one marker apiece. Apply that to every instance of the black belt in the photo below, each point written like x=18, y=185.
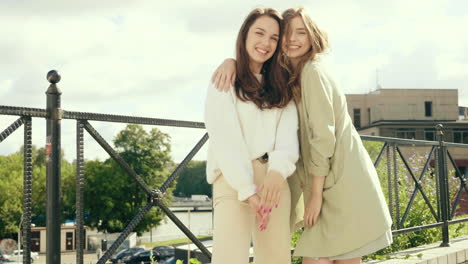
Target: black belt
x=264, y=158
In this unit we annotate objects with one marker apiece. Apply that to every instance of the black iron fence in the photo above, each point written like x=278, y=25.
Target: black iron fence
x=439, y=155
x=53, y=115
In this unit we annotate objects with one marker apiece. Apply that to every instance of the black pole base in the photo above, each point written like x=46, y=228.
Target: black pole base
x=445, y=244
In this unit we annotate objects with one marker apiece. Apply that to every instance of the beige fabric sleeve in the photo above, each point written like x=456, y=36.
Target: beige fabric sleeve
x=317, y=98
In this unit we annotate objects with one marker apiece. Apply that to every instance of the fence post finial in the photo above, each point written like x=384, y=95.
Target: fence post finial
x=53, y=77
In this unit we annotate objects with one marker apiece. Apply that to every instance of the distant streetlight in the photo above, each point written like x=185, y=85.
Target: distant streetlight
x=19, y=238
x=188, y=250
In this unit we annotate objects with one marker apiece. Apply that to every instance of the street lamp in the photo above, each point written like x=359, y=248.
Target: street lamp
x=188, y=250
x=19, y=237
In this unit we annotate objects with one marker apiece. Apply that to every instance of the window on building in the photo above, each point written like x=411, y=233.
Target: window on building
x=357, y=117
x=429, y=134
x=428, y=108
x=461, y=110
x=408, y=133
x=460, y=136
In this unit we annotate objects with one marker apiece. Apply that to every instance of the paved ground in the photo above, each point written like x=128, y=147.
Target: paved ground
x=69, y=258
x=457, y=253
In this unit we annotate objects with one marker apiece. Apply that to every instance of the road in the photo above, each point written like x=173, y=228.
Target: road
x=70, y=258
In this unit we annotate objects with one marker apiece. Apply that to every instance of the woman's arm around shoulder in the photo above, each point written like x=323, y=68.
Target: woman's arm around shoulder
x=225, y=75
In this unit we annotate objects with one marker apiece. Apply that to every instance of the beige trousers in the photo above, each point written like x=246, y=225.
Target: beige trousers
x=235, y=226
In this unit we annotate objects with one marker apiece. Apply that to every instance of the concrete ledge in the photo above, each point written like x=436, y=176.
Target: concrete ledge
x=431, y=254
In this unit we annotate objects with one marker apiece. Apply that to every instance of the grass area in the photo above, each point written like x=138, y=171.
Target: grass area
x=174, y=242
x=458, y=229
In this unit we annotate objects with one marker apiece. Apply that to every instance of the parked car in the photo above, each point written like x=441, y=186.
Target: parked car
x=15, y=257
x=119, y=257
x=165, y=251
x=10, y=261
x=144, y=257
x=170, y=260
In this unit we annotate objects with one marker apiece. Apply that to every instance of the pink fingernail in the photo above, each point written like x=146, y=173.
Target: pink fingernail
x=276, y=206
x=264, y=211
x=269, y=211
x=261, y=207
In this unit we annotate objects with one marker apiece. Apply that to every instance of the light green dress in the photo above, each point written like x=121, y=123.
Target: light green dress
x=354, y=218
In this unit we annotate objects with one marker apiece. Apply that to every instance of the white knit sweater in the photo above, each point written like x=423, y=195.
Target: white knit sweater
x=240, y=132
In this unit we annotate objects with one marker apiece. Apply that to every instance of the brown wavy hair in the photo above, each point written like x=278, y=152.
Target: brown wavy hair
x=272, y=91
x=318, y=39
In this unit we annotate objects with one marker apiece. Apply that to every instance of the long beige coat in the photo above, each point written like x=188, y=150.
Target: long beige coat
x=354, y=211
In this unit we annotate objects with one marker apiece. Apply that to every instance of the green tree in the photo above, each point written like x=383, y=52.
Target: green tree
x=68, y=193
x=112, y=197
x=11, y=175
x=11, y=197
x=192, y=180
x=39, y=178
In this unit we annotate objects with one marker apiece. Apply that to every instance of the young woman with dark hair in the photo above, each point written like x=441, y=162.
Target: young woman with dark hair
x=253, y=143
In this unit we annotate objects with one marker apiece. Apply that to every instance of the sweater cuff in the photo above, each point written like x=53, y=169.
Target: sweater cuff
x=280, y=169
x=246, y=191
x=281, y=163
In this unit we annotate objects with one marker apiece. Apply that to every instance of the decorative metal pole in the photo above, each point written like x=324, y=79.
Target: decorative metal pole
x=443, y=186
x=53, y=149
x=80, y=240
x=27, y=190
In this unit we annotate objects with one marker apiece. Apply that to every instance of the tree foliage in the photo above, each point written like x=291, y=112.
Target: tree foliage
x=11, y=195
x=192, y=180
x=11, y=175
x=112, y=197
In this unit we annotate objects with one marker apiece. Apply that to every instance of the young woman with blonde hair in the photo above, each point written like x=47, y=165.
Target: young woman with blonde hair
x=343, y=207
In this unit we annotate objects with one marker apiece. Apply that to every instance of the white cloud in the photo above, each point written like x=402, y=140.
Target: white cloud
x=413, y=45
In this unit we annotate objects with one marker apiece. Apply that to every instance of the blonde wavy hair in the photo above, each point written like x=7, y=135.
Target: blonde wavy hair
x=318, y=40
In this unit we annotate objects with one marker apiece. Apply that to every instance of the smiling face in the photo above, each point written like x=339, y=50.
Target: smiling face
x=261, y=42
x=257, y=51
x=297, y=42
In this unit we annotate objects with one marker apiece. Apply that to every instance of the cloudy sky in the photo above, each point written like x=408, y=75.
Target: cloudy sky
x=154, y=58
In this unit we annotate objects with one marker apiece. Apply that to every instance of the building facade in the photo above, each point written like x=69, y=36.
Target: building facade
x=68, y=238
x=412, y=114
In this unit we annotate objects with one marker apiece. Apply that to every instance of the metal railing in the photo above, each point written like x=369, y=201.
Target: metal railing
x=439, y=155
x=443, y=212
x=53, y=115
